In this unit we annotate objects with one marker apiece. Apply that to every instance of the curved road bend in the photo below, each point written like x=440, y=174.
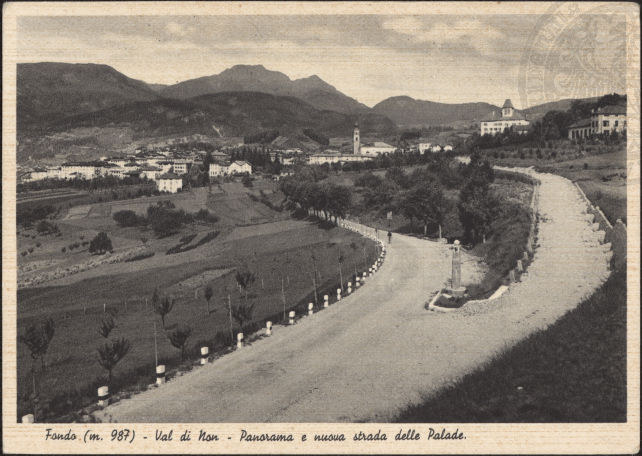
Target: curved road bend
x=377, y=350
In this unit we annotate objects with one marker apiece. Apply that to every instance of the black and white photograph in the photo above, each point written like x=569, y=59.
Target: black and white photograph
x=360, y=227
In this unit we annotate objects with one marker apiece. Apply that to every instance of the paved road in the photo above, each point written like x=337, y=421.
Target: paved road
x=376, y=351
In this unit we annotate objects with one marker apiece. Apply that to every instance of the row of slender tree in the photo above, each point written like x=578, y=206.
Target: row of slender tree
x=325, y=198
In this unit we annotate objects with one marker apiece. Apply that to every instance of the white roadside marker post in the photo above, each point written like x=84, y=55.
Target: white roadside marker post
x=268, y=328
x=28, y=419
x=310, y=308
x=205, y=351
x=103, y=396
x=239, y=340
x=326, y=300
x=338, y=294
x=160, y=374
x=292, y=314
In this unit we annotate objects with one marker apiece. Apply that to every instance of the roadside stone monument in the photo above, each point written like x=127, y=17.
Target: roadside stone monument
x=456, y=289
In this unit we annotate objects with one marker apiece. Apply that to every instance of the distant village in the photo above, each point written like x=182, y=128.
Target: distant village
x=167, y=168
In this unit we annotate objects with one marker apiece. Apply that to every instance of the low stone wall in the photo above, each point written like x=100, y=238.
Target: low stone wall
x=614, y=234
x=61, y=272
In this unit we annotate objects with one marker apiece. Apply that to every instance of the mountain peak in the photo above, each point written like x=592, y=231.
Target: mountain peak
x=257, y=78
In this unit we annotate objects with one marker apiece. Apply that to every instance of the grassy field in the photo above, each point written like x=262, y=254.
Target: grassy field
x=277, y=250
x=575, y=371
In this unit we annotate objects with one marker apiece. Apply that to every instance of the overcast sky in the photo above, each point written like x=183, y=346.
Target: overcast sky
x=450, y=59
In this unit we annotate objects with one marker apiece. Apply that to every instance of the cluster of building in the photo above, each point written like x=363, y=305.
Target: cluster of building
x=364, y=152
x=604, y=120
x=167, y=172
x=510, y=119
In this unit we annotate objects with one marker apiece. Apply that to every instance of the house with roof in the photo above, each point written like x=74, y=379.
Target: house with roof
x=580, y=129
x=377, y=148
x=219, y=168
x=423, y=147
x=150, y=172
x=170, y=183
x=604, y=120
x=509, y=118
x=240, y=167
x=83, y=170
x=334, y=156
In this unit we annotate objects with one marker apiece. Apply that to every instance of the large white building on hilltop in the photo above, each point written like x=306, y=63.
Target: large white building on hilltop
x=510, y=118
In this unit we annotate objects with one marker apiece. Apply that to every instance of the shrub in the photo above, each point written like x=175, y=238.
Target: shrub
x=100, y=244
x=586, y=165
x=45, y=227
x=38, y=244
x=63, y=250
x=25, y=253
x=30, y=249
x=128, y=218
x=165, y=220
x=206, y=216
x=368, y=180
x=247, y=181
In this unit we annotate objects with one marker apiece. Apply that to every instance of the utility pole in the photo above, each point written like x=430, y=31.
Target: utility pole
x=229, y=304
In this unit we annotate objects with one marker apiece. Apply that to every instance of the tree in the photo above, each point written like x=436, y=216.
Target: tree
x=398, y=176
x=38, y=338
x=209, y=292
x=339, y=200
x=244, y=278
x=107, y=325
x=164, y=307
x=477, y=208
x=426, y=202
x=178, y=338
x=242, y=313
x=110, y=354
x=100, y=244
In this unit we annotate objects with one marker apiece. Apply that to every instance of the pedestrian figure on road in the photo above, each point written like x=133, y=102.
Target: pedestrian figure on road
x=389, y=236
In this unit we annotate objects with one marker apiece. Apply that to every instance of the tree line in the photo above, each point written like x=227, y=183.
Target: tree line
x=325, y=198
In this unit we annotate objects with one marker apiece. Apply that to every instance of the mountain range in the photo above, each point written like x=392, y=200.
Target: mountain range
x=408, y=112
x=58, y=99
x=256, y=78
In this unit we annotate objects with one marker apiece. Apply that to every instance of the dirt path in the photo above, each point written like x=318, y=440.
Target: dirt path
x=371, y=354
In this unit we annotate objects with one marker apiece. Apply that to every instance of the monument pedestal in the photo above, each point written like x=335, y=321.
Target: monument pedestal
x=456, y=292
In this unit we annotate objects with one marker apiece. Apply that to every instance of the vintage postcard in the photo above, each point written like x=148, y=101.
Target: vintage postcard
x=318, y=227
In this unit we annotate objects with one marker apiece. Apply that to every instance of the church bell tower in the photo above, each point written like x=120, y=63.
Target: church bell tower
x=356, y=140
